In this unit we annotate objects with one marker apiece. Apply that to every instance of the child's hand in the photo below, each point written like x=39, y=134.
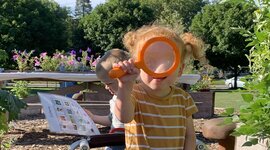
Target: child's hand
x=131, y=70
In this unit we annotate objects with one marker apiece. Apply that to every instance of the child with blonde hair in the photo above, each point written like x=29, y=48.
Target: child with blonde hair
x=156, y=113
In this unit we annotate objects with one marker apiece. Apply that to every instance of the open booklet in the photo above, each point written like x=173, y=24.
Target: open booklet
x=65, y=115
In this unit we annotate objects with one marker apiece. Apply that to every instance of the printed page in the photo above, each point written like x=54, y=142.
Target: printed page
x=65, y=115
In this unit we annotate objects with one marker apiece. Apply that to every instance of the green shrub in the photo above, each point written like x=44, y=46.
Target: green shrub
x=11, y=104
x=255, y=116
x=20, y=89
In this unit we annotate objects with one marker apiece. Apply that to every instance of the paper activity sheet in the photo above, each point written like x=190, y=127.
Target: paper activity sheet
x=65, y=115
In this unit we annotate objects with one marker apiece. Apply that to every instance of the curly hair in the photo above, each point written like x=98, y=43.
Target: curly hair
x=187, y=43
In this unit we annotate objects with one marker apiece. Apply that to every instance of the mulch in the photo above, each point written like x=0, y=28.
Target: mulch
x=31, y=133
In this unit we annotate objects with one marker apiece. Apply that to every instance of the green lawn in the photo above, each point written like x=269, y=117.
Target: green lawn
x=34, y=91
x=218, y=82
x=229, y=99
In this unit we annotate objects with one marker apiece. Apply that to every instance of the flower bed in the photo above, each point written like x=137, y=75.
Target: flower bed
x=81, y=61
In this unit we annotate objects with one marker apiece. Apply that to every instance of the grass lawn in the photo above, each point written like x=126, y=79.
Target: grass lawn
x=34, y=91
x=229, y=99
x=218, y=82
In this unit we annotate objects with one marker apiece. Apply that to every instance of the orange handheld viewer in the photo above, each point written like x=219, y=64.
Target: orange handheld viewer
x=159, y=57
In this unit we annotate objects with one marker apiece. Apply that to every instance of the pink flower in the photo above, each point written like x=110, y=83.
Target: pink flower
x=15, y=57
x=71, y=62
x=42, y=55
x=94, y=63
x=37, y=63
x=63, y=56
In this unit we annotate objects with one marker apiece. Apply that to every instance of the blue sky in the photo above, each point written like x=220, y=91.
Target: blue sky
x=71, y=3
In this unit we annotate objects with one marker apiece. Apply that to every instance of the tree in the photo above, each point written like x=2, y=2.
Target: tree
x=175, y=13
x=216, y=25
x=33, y=24
x=82, y=8
x=106, y=25
x=78, y=40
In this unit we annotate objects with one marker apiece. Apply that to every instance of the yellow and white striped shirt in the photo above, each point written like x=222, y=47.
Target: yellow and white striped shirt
x=159, y=123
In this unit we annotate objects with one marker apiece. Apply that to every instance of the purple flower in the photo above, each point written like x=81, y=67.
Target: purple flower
x=88, y=50
x=80, y=51
x=79, y=58
x=72, y=52
x=88, y=58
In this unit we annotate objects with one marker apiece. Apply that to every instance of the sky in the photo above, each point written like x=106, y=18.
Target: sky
x=71, y=3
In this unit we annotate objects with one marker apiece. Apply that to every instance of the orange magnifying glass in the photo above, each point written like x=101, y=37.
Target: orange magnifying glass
x=159, y=57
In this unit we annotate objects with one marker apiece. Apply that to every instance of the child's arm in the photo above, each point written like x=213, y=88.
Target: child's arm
x=190, y=140
x=102, y=120
x=124, y=108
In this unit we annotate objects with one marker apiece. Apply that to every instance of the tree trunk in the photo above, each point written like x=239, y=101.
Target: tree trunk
x=235, y=71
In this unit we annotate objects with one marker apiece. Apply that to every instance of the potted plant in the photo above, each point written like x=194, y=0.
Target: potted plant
x=23, y=59
x=203, y=97
x=10, y=107
x=202, y=85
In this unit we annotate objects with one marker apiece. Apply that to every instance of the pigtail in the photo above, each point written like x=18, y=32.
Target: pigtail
x=194, y=47
x=129, y=41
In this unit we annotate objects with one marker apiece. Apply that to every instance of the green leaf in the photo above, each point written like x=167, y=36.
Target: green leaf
x=235, y=118
x=227, y=120
x=261, y=36
x=248, y=143
x=254, y=141
x=11, y=104
x=247, y=97
x=229, y=110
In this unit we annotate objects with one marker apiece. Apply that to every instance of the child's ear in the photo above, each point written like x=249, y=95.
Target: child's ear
x=180, y=72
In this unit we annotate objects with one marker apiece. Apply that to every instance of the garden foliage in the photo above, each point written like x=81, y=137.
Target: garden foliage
x=20, y=89
x=255, y=116
x=11, y=104
x=23, y=59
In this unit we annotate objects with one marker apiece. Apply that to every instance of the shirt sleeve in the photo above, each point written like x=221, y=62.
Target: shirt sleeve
x=191, y=108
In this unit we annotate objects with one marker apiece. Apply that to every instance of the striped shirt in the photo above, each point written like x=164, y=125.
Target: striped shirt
x=159, y=123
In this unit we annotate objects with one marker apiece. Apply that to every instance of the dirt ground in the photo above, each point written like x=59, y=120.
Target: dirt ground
x=31, y=133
